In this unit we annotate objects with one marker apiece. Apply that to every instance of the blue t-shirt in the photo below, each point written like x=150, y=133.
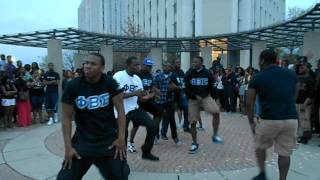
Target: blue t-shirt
x=276, y=88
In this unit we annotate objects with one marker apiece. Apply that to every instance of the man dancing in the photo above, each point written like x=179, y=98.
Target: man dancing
x=99, y=137
x=200, y=91
x=133, y=90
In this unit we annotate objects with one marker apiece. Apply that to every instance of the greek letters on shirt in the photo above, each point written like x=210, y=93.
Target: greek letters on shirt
x=181, y=82
x=199, y=81
x=130, y=88
x=93, y=102
x=146, y=82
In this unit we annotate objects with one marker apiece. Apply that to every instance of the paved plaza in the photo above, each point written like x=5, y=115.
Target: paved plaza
x=36, y=152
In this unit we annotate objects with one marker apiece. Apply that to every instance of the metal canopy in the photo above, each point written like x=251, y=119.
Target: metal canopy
x=287, y=34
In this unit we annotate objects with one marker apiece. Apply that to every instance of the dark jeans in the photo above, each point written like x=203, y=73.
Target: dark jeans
x=315, y=118
x=221, y=98
x=51, y=101
x=168, y=117
x=183, y=105
x=151, y=107
x=110, y=168
x=36, y=101
x=229, y=99
x=140, y=118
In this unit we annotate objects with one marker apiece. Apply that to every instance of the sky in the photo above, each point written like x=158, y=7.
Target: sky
x=18, y=16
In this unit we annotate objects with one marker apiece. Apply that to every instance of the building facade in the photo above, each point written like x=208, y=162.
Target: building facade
x=181, y=18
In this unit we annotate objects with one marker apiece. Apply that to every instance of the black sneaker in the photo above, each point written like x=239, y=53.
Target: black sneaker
x=261, y=176
x=163, y=137
x=194, y=148
x=303, y=140
x=150, y=157
x=177, y=141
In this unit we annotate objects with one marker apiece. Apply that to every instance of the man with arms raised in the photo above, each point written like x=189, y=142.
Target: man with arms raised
x=133, y=90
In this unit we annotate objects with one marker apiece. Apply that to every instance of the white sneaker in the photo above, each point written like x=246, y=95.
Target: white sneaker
x=50, y=122
x=131, y=147
x=56, y=119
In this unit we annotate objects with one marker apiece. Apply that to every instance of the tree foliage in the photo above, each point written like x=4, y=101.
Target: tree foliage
x=294, y=12
x=133, y=29
x=68, y=61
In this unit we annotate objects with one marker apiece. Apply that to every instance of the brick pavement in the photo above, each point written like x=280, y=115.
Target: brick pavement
x=236, y=153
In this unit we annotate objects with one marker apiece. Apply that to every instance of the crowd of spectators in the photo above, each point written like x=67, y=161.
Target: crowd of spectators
x=25, y=90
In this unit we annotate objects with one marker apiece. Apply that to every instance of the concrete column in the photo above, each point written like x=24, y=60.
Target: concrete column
x=224, y=60
x=244, y=58
x=55, y=54
x=107, y=53
x=156, y=55
x=185, y=61
x=311, y=44
x=206, y=53
x=54, y=48
x=257, y=48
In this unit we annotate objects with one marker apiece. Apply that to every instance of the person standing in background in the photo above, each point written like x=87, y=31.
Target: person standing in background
x=51, y=80
x=37, y=96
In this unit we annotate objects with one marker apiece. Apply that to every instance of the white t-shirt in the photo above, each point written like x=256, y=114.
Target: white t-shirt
x=129, y=84
x=220, y=85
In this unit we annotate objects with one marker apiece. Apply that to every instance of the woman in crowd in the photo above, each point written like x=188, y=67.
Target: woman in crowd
x=67, y=76
x=34, y=67
x=242, y=86
x=27, y=72
x=221, y=90
x=23, y=101
x=247, y=79
x=37, y=96
x=8, y=102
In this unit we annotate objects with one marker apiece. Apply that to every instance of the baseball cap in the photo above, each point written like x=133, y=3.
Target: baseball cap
x=148, y=62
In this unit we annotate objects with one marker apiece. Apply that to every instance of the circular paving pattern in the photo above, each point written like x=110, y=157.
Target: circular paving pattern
x=236, y=153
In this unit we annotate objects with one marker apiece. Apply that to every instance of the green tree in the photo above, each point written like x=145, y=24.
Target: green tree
x=294, y=12
x=68, y=61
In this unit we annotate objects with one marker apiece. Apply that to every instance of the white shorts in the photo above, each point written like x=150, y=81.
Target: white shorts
x=8, y=102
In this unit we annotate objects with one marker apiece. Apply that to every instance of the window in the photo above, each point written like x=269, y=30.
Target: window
x=193, y=19
x=175, y=29
x=157, y=18
x=150, y=24
x=144, y=15
x=103, y=16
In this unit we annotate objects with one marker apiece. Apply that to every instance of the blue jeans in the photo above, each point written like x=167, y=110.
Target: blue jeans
x=37, y=101
x=168, y=117
x=229, y=99
x=257, y=106
x=183, y=104
x=51, y=101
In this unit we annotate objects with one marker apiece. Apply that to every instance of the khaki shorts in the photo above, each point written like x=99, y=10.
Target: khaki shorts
x=281, y=133
x=208, y=104
x=304, y=117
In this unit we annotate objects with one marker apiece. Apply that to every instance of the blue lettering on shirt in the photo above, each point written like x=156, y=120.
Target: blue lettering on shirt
x=146, y=82
x=93, y=102
x=199, y=81
x=181, y=82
